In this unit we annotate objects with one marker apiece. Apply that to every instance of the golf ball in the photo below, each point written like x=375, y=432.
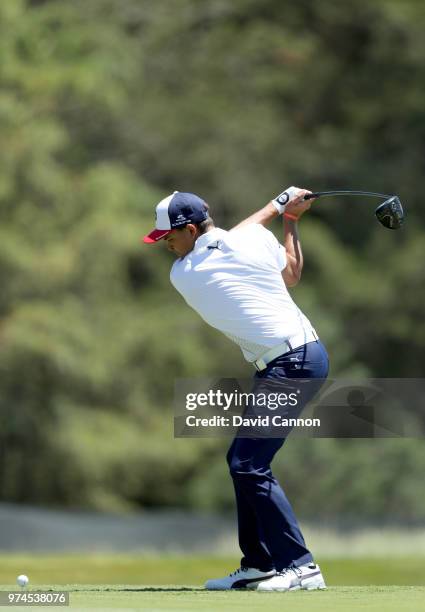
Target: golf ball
x=22, y=580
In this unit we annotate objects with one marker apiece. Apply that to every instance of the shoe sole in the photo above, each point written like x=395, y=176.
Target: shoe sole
x=294, y=588
x=317, y=584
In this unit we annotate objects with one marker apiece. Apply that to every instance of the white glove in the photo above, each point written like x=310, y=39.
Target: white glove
x=280, y=201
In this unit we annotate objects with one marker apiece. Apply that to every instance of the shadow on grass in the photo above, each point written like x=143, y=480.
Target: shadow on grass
x=149, y=589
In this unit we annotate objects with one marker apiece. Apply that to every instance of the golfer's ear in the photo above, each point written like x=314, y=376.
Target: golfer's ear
x=192, y=228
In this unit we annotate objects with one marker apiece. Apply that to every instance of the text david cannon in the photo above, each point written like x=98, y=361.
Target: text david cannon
x=238, y=421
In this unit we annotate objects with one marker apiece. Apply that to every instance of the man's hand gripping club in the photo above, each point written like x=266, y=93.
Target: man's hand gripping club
x=291, y=203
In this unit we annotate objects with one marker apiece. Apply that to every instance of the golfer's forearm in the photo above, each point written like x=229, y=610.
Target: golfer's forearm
x=263, y=216
x=292, y=246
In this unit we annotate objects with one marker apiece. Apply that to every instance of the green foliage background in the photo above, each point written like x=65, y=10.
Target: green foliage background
x=107, y=105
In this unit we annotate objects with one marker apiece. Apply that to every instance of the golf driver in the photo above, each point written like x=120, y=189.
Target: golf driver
x=390, y=213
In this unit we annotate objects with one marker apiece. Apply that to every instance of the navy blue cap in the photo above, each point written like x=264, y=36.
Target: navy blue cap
x=177, y=210
x=186, y=208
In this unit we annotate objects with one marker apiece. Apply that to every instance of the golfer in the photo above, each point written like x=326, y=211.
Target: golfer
x=237, y=281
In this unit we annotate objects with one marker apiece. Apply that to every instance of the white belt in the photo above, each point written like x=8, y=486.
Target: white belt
x=286, y=347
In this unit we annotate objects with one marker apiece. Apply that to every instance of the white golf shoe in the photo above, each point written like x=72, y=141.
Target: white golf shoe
x=307, y=577
x=244, y=577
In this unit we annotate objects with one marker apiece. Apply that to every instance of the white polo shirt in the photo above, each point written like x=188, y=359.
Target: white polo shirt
x=234, y=281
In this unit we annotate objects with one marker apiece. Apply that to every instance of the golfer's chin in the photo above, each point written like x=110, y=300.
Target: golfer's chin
x=173, y=251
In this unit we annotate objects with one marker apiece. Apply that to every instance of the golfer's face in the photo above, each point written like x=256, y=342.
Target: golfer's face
x=180, y=241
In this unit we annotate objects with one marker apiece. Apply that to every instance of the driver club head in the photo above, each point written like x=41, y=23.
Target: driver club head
x=390, y=213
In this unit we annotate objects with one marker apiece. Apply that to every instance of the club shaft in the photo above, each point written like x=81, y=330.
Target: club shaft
x=317, y=194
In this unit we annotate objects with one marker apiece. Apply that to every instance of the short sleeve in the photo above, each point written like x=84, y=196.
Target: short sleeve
x=277, y=250
x=281, y=256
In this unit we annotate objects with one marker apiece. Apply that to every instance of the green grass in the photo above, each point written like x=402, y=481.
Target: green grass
x=163, y=583
x=148, y=570
x=174, y=597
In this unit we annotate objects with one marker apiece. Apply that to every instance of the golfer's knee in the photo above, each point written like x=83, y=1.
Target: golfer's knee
x=238, y=468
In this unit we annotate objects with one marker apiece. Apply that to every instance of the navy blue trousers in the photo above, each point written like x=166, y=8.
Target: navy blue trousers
x=269, y=534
